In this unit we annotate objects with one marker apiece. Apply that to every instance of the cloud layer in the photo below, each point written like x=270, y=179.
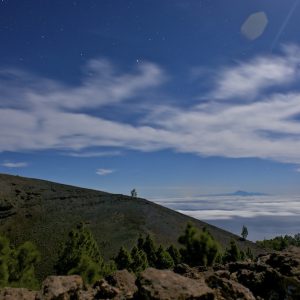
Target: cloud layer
x=258, y=119
x=204, y=207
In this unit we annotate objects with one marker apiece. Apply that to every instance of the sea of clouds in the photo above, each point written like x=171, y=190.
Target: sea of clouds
x=265, y=216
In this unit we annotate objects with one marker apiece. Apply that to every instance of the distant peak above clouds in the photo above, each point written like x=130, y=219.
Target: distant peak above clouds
x=245, y=194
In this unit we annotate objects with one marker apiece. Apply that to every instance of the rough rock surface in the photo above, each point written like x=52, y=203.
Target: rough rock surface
x=165, y=284
x=60, y=287
x=228, y=289
x=275, y=276
x=124, y=282
x=17, y=294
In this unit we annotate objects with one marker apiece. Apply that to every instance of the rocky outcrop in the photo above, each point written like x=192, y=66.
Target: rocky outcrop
x=274, y=276
x=124, y=282
x=271, y=276
x=167, y=285
x=60, y=287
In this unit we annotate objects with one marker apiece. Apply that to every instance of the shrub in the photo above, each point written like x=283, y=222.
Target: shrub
x=87, y=269
x=17, y=265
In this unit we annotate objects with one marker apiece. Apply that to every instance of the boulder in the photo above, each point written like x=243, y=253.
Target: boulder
x=272, y=276
x=167, y=285
x=124, y=282
x=17, y=294
x=227, y=289
x=287, y=262
x=103, y=290
x=187, y=271
x=61, y=287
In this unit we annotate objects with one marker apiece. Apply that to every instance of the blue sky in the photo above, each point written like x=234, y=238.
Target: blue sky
x=174, y=98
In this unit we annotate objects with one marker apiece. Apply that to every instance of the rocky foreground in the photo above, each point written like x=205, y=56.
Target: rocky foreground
x=272, y=276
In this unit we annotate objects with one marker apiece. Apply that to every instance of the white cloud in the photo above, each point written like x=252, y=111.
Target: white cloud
x=248, y=79
x=103, y=172
x=94, y=154
x=102, y=85
x=15, y=164
x=226, y=208
x=261, y=129
x=38, y=114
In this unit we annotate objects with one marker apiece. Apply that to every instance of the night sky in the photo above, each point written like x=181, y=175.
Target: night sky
x=173, y=98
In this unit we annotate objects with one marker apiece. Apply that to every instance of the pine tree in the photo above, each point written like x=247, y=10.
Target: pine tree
x=123, y=260
x=175, y=254
x=199, y=247
x=80, y=250
x=164, y=259
x=139, y=260
x=150, y=249
x=244, y=233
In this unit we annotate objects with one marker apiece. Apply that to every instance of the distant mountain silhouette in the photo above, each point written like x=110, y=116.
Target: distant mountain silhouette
x=245, y=194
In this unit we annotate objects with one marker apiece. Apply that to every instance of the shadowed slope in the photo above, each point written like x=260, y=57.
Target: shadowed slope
x=44, y=212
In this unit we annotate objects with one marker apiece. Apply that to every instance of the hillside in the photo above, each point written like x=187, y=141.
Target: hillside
x=44, y=212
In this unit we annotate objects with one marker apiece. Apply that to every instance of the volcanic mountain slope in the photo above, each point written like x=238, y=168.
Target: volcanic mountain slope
x=44, y=212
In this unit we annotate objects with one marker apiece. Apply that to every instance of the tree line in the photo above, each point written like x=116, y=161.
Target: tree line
x=280, y=243
x=81, y=255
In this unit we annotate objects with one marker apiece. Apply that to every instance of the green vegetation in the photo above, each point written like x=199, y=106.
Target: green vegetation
x=244, y=232
x=123, y=260
x=149, y=247
x=163, y=259
x=80, y=255
x=199, y=247
x=17, y=265
x=145, y=254
x=280, y=243
x=175, y=254
x=139, y=260
x=249, y=253
x=232, y=253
